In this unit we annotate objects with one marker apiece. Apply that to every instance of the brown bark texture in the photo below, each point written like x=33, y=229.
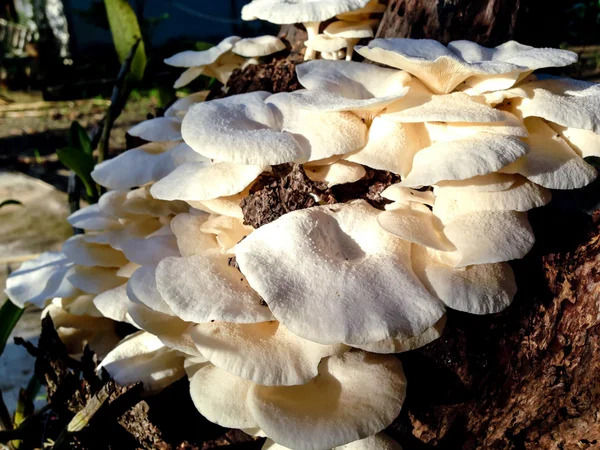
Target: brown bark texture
x=488, y=22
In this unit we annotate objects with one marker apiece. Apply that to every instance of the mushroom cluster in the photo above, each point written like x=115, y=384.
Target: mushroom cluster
x=356, y=20
x=286, y=326
x=222, y=59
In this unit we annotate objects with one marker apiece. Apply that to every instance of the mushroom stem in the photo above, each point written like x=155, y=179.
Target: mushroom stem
x=350, y=48
x=312, y=29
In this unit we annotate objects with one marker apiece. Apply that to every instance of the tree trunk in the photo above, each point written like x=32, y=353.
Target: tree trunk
x=488, y=22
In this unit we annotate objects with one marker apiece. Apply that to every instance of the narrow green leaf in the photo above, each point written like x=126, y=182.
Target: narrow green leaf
x=125, y=30
x=9, y=316
x=10, y=202
x=82, y=164
x=79, y=139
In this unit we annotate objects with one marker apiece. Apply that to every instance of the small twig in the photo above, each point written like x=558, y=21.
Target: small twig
x=31, y=349
x=117, y=102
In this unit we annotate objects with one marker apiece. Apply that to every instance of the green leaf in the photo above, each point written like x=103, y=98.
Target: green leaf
x=10, y=202
x=82, y=164
x=125, y=30
x=79, y=139
x=9, y=316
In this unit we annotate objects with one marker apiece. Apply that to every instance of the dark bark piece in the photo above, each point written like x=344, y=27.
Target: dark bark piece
x=285, y=189
x=488, y=22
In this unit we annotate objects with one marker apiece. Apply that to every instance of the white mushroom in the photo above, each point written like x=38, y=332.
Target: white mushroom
x=324, y=299
x=443, y=68
x=265, y=353
x=258, y=46
x=142, y=357
x=308, y=12
x=354, y=396
x=357, y=15
x=351, y=32
x=214, y=62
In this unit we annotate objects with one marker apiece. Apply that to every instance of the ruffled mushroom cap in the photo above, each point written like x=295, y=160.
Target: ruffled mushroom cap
x=348, y=86
x=477, y=289
x=227, y=230
x=198, y=181
x=265, y=353
x=258, y=46
x=351, y=32
x=84, y=253
x=354, y=396
x=263, y=129
x=198, y=62
x=225, y=295
x=326, y=44
x=461, y=159
x=142, y=357
x=400, y=345
x=340, y=172
x=40, y=279
x=324, y=299
x=298, y=11
x=145, y=164
x=158, y=129
x=442, y=68
x=551, y=162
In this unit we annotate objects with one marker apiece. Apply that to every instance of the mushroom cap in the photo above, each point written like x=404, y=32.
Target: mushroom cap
x=158, y=129
x=220, y=396
x=228, y=230
x=324, y=298
x=40, y=279
x=477, y=289
x=182, y=105
x=298, y=11
x=198, y=181
x=84, y=253
x=191, y=58
x=348, y=85
x=461, y=159
x=225, y=295
x=567, y=102
x=551, y=162
x=442, y=68
x=323, y=43
x=242, y=129
x=258, y=46
x=351, y=30
x=584, y=142
x=94, y=280
x=355, y=395
x=339, y=172
x=142, y=357
x=399, y=345
x=265, y=353
x=114, y=303
x=392, y=145
x=139, y=166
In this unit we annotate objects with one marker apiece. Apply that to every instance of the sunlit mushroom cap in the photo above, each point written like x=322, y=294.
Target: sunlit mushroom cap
x=191, y=58
x=263, y=129
x=323, y=43
x=348, y=86
x=355, y=395
x=145, y=164
x=265, y=353
x=40, y=279
x=298, y=11
x=158, y=129
x=443, y=68
x=258, y=46
x=324, y=298
x=142, y=357
x=351, y=30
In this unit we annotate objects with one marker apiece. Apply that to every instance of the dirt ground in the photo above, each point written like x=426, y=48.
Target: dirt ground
x=31, y=130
